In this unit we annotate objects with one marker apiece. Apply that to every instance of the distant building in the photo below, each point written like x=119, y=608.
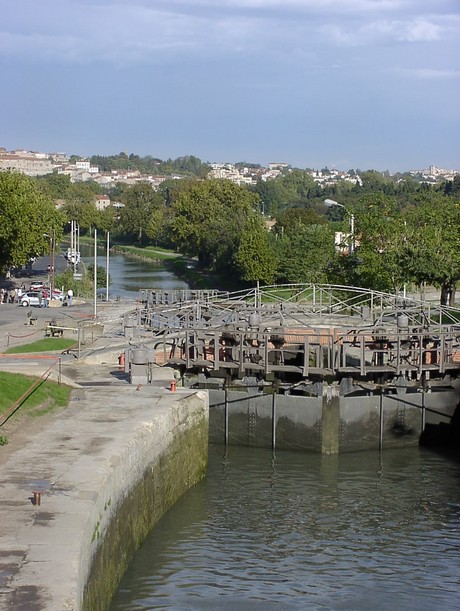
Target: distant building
x=102, y=202
x=278, y=166
x=26, y=164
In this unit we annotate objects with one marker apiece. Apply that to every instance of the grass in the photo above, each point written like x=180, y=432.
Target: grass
x=45, y=398
x=148, y=252
x=46, y=344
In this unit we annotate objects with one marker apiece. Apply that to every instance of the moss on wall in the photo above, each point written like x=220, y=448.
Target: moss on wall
x=181, y=465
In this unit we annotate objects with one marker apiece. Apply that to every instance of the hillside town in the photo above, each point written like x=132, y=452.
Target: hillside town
x=33, y=163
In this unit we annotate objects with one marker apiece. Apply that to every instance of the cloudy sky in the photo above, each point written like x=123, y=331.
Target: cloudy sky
x=338, y=83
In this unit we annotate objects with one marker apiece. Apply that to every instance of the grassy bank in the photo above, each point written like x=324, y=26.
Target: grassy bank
x=147, y=253
x=37, y=400
x=47, y=344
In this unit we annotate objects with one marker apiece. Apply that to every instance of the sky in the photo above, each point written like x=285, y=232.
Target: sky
x=362, y=84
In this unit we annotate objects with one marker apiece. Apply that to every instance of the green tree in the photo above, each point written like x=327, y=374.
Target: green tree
x=289, y=220
x=433, y=243
x=208, y=219
x=255, y=259
x=141, y=203
x=106, y=219
x=306, y=254
x=28, y=218
x=381, y=244
x=80, y=205
x=56, y=186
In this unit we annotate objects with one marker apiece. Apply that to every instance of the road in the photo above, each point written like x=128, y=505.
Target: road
x=12, y=313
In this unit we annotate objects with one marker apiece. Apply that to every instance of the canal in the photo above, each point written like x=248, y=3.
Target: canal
x=128, y=275
x=298, y=530
x=306, y=531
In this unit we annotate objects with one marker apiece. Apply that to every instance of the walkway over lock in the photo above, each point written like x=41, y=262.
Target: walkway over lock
x=300, y=331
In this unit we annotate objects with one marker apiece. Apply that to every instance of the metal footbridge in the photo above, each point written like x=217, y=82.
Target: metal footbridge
x=299, y=331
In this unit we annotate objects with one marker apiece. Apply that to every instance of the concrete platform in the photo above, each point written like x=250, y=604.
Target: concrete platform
x=81, y=467
x=68, y=478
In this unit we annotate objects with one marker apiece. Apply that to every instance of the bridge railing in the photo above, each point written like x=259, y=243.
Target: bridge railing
x=283, y=304
x=313, y=352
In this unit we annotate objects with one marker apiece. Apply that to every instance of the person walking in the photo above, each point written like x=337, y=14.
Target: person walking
x=69, y=297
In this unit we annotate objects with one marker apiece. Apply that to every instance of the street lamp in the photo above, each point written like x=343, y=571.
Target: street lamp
x=329, y=203
x=52, y=237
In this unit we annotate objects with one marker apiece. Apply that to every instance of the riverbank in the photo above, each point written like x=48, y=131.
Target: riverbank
x=83, y=488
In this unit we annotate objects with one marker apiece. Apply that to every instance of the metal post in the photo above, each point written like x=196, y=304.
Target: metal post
x=71, y=240
x=226, y=416
x=53, y=246
x=273, y=418
x=352, y=229
x=423, y=407
x=95, y=273
x=381, y=420
x=107, y=268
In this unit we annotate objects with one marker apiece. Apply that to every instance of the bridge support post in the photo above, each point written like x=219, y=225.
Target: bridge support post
x=330, y=421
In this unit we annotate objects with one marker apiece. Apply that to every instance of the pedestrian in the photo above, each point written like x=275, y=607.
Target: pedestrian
x=69, y=297
x=2, y=294
x=45, y=299
x=40, y=299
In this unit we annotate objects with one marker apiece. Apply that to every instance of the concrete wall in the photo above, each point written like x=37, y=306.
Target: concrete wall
x=331, y=423
x=107, y=468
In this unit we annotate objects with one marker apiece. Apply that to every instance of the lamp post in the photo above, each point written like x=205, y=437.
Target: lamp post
x=95, y=273
x=51, y=236
x=107, y=268
x=329, y=203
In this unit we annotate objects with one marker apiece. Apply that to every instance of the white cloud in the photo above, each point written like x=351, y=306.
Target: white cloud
x=428, y=73
x=124, y=31
x=383, y=32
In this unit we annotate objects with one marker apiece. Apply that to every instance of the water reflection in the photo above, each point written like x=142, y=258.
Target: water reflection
x=129, y=275
x=354, y=531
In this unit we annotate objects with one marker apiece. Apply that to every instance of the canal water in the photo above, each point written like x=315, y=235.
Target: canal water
x=306, y=531
x=298, y=531
x=129, y=275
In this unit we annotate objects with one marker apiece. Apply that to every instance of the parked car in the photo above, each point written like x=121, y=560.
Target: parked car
x=36, y=285
x=31, y=298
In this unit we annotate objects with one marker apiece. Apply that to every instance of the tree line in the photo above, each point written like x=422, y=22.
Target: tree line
x=405, y=233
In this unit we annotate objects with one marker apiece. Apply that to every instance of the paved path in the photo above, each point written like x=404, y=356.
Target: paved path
x=69, y=457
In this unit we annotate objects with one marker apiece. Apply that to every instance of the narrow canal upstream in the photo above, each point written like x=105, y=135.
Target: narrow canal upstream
x=129, y=275
x=298, y=531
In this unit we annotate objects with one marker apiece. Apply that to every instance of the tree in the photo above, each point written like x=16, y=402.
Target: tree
x=433, y=243
x=208, y=219
x=254, y=258
x=141, y=202
x=56, y=186
x=27, y=218
x=306, y=254
x=80, y=204
x=289, y=220
x=382, y=237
